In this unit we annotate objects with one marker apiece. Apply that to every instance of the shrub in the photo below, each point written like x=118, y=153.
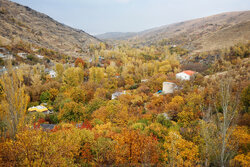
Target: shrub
x=45, y=97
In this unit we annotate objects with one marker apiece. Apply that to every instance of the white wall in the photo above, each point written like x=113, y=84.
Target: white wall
x=182, y=76
x=168, y=87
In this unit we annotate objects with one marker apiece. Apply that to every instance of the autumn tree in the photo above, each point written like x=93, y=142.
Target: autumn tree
x=15, y=100
x=225, y=107
x=36, y=88
x=72, y=112
x=96, y=74
x=73, y=76
x=134, y=148
x=175, y=106
x=180, y=152
x=59, y=71
x=80, y=63
x=40, y=148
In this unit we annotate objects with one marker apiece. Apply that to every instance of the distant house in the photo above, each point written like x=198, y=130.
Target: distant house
x=144, y=80
x=117, y=94
x=185, y=75
x=168, y=87
x=166, y=116
x=34, y=49
x=52, y=73
x=2, y=56
x=3, y=70
x=2, y=49
x=101, y=59
x=6, y=56
x=23, y=55
x=39, y=56
x=40, y=109
x=10, y=56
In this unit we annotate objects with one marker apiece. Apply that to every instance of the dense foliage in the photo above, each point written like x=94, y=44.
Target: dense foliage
x=205, y=122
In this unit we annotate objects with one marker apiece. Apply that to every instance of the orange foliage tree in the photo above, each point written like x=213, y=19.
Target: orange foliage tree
x=134, y=148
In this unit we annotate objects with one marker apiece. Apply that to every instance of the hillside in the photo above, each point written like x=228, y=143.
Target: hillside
x=22, y=23
x=203, y=34
x=115, y=35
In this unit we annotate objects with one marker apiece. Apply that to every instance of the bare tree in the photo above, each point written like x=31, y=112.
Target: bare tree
x=14, y=100
x=218, y=124
x=226, y=119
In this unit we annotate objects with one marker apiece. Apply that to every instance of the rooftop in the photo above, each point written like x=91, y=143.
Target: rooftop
x=189, y=72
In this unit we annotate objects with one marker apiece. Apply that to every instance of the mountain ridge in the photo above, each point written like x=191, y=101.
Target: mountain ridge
x=197, y=34
x=23, y=23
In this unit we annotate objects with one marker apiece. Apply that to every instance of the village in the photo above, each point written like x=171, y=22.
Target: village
x=130, y=88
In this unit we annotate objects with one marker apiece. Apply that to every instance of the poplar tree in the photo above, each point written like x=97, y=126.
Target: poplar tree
x=14, y=102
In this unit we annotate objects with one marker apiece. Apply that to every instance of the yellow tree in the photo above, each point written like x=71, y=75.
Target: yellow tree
x=73, y=76
x=175, y=106
x=180, y=152
x=15, y=100
x=241, y=139
x=96, y=74
x=59, y=71
x=40, y=148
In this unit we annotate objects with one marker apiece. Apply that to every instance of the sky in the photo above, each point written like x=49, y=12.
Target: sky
x=100, y=16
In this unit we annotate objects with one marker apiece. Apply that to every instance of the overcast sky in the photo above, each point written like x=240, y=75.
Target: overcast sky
x=100, y=16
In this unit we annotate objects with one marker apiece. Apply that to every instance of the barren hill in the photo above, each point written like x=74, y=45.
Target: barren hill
x=22, y=23
x=115, y=35
x=203, y=34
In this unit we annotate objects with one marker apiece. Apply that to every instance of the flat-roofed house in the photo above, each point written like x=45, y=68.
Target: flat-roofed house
x=185, y=75
x=117, y=94
x=40, y=109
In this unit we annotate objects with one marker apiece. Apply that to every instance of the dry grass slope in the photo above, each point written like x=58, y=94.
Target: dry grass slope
x=22, y=23
x=201, y=34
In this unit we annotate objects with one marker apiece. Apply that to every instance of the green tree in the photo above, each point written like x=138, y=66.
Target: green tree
x=72, y=112
x=45, y=97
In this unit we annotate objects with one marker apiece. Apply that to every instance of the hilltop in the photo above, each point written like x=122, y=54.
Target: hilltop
x=23, y=23
x=116, y=35
x=202, y=34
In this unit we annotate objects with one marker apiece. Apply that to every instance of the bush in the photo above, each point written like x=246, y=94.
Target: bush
x=52, y=118
x=31, y=104
x=144, y=121
x=163, y=120
x=32, y=58
x=34, y=117
x=138, y=126
x=97, y=122
x=72, y=112
x=45, y=97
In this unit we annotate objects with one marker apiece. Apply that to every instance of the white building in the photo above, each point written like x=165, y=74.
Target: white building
x=6, y=56
x=39, y=56
x=117, y=94
x=23, y=55
x=185, y=75
x=144, y=80
x=2, y=56
x=168, y=87
x=52, y=73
